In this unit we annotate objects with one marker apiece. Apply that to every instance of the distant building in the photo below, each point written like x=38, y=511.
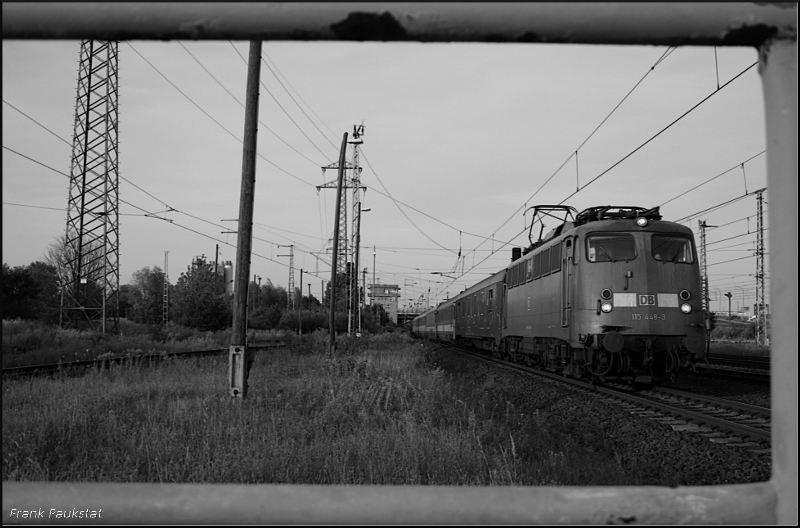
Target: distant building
x=387, y=296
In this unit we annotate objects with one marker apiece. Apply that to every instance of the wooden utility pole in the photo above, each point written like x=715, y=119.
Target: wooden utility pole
x=340, y=179
x=239, y=358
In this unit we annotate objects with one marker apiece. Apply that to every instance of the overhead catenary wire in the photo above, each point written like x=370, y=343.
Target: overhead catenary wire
x=68, y=143
x=714, y=178
x=242, y=105
x=214, y=120
x=150, y=214
x=631, y=153
x=298, y=95
x=298, y=104
x=575, y=151
x=281, y=106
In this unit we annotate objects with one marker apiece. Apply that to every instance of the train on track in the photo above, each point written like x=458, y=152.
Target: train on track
x=613, y=293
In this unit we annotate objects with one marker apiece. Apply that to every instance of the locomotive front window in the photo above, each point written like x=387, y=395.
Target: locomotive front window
x=672, y=249
x=610, y=248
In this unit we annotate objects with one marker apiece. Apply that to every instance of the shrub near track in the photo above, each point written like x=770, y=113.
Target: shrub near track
x=381, y=412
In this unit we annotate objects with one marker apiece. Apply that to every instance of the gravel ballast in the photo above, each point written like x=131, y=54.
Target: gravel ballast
x=650, y=452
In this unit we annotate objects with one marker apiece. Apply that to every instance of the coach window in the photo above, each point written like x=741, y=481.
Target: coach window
x=610, y=248
x=671, y=249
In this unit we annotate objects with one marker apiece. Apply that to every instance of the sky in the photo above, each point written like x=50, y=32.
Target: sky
x=459, y=140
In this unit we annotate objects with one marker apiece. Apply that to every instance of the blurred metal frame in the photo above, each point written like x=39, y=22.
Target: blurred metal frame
x=771, y=28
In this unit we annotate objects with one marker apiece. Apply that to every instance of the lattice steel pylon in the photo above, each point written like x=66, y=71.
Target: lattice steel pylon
x=165, y=307
x=703, y=269
x=342, y=288
x=761, y=315
x=90, y=275
x=291, y=275
x=354, y=317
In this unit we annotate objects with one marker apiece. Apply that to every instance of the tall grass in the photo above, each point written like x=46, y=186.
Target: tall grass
x=739, y=349
x=380, y=412
x=34, y=343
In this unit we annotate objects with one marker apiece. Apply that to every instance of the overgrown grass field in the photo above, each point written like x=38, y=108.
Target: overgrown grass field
x=33, y=343
x=380, y=412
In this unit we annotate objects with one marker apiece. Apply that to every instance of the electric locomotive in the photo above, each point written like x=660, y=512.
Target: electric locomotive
x=612, y=293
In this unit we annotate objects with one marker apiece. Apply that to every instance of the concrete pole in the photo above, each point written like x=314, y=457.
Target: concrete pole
x=332, y=319
x=240, y=360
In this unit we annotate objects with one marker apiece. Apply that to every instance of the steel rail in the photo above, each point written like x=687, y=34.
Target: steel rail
x=737, y=406
x=752, y=377
x=49, y=368
x=739, y=361
x=697, y=416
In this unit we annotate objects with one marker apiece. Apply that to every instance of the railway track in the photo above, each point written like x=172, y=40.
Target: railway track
x=731, y=360
x=760, y=378
x=726, y=366
x=721, y=421
x=88, y=364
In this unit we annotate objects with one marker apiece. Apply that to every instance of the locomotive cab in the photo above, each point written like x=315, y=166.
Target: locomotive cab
x=636, y=299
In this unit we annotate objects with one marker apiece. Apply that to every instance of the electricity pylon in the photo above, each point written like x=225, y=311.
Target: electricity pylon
x=291, y=274
x=354, y=317
x=342, y=265
x=761, y=315
x=90, y=274
x=165, y=311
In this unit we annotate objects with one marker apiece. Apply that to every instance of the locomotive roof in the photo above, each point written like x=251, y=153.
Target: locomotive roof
x=618, y=215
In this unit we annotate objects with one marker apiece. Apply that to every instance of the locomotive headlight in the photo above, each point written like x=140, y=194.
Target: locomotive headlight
x=606, y=294
x=641, y=221
x=606, y=307
x=685, y=295
x=686, y=308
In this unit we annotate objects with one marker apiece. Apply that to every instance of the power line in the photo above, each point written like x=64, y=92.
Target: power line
x=659, y=61
x=298, y=95
x=387, y=194
x=628, y=155
x=657, y=134
x=214, y=120
x=281, y=107
x=150, y=214
x=714, y=178
x=38, y=123
x=242, y=105
x=296, y=103
x=35, y=206
x=718, y=206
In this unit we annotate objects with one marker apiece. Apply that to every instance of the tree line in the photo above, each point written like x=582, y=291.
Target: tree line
x=199, y=299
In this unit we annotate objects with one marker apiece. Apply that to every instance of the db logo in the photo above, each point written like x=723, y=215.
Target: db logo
x=647, y=300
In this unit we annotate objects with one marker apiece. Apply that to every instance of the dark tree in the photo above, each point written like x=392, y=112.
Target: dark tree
x=146, y=296
x=47, y=302
x=199, y=301
x=19, y=291
x=124, y=300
